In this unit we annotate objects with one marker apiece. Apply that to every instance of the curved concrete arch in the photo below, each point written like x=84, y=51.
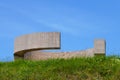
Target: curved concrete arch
x=36, y=41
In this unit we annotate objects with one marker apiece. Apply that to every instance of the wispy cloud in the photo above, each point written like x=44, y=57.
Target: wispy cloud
x=55, y=26
x=67, y=24
x=60, y=27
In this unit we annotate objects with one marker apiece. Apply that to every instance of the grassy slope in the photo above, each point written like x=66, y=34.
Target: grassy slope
x=97, y=68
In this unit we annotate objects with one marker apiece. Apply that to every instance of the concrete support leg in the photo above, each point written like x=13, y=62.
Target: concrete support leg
x=99, y=47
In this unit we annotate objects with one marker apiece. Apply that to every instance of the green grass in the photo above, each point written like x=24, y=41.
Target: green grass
x=96, y=68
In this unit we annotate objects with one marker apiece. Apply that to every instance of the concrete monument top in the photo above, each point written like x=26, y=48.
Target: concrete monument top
x=36, y=41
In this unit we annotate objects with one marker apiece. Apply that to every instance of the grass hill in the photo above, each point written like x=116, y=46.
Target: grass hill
x=96, y=68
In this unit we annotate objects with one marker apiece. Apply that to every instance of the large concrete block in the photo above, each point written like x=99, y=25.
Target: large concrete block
x=36, y=41
x=99, y=47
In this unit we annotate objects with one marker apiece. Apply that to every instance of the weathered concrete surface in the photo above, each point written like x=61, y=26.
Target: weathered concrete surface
x=99, y=46
x=41, y=55
x=36, y=41
x=18, y=57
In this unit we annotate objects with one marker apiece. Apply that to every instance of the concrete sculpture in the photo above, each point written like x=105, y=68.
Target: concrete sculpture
x=31, y=47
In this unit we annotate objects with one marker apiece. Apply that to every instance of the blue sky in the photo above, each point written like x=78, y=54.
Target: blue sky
x=79, y=21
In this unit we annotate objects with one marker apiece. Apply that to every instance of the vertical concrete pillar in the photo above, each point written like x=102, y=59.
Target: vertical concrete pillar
x=99, y=47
